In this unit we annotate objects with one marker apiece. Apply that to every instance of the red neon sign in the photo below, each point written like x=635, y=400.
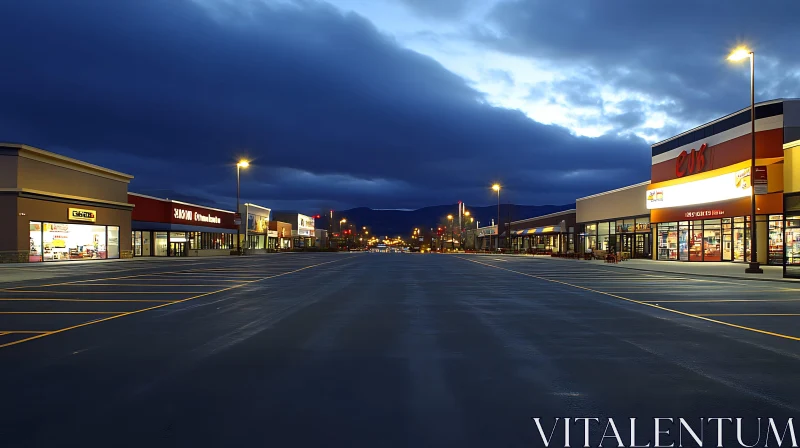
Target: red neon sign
x=691, y=163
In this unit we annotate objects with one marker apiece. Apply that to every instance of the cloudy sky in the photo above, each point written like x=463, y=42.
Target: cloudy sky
x=381, y=103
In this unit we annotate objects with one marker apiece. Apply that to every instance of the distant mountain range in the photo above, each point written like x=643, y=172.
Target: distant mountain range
x=402, y=222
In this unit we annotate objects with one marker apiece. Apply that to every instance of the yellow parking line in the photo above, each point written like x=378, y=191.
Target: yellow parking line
x=719, y=300
x=59, y=312
x=101, y=292
x=3, y=333
x=117, y=316
x=682, y=292
x=37, y=299
x=135, y=284
x=752, y=314
x=23, y=332
x=652, y=305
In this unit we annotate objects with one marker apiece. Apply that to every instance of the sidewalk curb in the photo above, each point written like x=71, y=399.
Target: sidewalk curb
x=690, y=274
x=782, y=280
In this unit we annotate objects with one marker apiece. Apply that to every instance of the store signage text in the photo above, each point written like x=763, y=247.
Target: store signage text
x=691, y=163
x=704, y=213
x=724, y=187
x=189, y=215
x=79, y=214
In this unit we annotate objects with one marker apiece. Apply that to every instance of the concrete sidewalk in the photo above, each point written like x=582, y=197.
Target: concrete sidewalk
x=704, y=269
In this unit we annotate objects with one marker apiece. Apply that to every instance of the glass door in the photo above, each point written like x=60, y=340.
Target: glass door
x=712, y=240
x=177, y=249
x=683, y=241
x=696, y=241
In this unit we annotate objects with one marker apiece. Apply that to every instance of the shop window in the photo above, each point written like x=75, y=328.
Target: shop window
x=667, y=235
x=113, y=242
x=775, y=254
x=792, y=241
x=35, y=253
x=160, y=244
x=136, y=238
x=146, y=245
x=642, y=224
x=73, y=242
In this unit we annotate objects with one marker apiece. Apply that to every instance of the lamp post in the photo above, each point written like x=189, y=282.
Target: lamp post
x=452, y=243
x=737, y=55
x=241, y=164
x=341, y=221
x=496, y=187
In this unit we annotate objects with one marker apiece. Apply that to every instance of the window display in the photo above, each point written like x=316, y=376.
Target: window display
x=74, y=242
x=36, y=241
x=668, y=241
x=160, y=244
x=740, y=234
x=792, y=242
x=775, y=254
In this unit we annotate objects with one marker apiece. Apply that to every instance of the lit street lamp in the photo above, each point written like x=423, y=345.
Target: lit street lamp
x=496, y=187
x=738, y=55
x=241, y=164
x=452, y=243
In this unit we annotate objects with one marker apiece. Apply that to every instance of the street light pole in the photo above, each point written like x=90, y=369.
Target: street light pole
x=239, y=165
x=739, y=54
x=496, y=187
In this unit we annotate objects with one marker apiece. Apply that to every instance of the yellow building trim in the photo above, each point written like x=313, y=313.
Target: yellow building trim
x=714, y=173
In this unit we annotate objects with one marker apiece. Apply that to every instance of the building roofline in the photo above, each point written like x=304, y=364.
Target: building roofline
x=640, y=184
x=249, y=204
x=179, y=202
x=67, y=162
x=763, y=103
x=550, y=215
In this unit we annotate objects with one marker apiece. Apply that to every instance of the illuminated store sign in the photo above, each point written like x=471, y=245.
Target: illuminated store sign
x=79, y=214
x=305, y=223
x=691, y=163
x=714, y=189
x=189, y=215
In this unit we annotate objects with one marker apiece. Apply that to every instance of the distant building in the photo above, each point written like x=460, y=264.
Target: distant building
x=303, y=231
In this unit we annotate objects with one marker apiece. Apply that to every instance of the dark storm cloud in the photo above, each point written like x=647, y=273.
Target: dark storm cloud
x=673, y=49
x=332, y=112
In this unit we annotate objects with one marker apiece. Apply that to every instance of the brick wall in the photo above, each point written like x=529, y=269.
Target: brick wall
x=14, y=257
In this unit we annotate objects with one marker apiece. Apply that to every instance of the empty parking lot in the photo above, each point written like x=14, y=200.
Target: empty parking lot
x=379, y=349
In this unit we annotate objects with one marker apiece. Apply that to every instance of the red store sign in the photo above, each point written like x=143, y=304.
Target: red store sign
x=691, y=163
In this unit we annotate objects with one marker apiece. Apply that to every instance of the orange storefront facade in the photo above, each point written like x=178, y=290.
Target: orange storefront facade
x=700, y=192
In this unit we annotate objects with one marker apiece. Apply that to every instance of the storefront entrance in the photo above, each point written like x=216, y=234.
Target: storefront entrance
x=726, y=239
x=177, y=249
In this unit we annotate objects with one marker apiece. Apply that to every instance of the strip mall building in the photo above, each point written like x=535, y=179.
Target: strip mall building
x=698, y=197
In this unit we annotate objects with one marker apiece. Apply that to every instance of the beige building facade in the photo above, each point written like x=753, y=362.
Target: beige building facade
x=55, y=208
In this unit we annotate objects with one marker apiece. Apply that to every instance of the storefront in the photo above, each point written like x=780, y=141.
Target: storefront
x=167, y=228
x=54, y=208
x=616, y=220
x=280, y=234
x=700, y=195
x=255, y=229
x=552, y=233
x=302, y=228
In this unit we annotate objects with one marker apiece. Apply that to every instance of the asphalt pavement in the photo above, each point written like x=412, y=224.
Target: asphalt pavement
x=389, y=350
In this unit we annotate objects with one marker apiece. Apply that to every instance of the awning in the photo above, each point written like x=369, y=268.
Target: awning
x=538, y=230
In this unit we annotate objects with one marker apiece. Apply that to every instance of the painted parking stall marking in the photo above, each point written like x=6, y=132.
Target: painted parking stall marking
x=34, y=311
x=769, y=308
